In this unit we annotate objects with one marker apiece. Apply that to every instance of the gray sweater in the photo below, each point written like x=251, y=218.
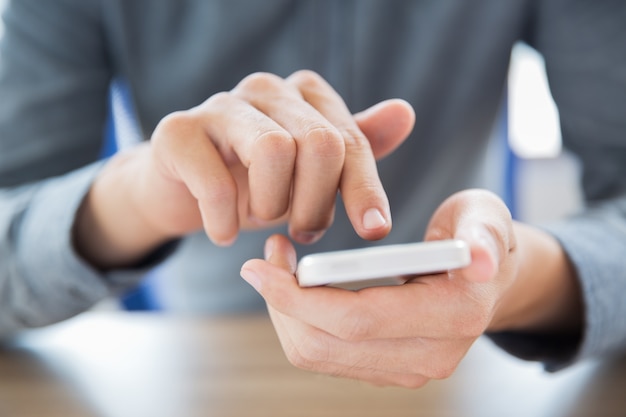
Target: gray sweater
x=448, y=58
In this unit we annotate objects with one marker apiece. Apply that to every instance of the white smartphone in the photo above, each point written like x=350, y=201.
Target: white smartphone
x=381, y=265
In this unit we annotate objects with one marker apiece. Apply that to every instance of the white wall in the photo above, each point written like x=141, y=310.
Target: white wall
x=2, y=4
x=547, y=177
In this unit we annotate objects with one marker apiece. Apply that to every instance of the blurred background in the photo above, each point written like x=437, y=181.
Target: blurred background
x=543, y=185
x=545, y=176
x=527, y=165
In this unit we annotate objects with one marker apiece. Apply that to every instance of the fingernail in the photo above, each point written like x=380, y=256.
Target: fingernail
x=486, y=240
x=251, y=278
x=269, y=249
x=255, y=220
x=307, y=237
x=373, y=219
x=225, y=242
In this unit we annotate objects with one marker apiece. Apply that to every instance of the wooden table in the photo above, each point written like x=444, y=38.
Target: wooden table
x=156, y=365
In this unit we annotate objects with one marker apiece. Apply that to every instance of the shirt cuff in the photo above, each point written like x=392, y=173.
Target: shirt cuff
x=595, y=243
x=58, y=282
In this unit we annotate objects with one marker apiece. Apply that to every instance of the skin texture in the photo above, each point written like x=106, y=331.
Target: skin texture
x=276, y=150
x=271, y=150
x=519, y=279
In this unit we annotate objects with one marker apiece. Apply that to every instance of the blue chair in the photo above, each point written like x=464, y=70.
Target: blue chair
x=143, y=297
x=511, y=163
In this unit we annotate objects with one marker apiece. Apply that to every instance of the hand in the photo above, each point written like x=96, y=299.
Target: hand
x=406, y=335
x=271, y=150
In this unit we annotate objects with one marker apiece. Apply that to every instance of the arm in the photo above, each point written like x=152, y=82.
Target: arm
x=271, y=150
x=583, y=45
x=557, y=290
x=53, y=83
x=519, y=280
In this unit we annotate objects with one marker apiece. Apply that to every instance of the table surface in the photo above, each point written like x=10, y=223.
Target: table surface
x=112, y=364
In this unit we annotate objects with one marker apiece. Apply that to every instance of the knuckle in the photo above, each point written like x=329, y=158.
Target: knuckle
x=500, y=221
x=296, y=359
x=355, y=139
x=443, y=371
x=260, y=82
x=277, y=144
x=368, y=189
x=313, y=227
x=498, y=230
x=489, y=196
x=357, y=327
x=219, y=100
x=445, y=360
x=325, y=142
x=411, y=381
x=218, y=190
x=270, y=213
x=307, y=79
x=172, y=125
x=309, y=354
x=171, y=131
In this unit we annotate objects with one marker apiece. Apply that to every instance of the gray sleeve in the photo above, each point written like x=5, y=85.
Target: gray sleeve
x=596, y=245
x=583, y=44
x=54, y=78
x=54, y=81
x=41, y=278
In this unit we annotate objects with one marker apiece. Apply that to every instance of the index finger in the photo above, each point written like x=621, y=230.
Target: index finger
x=319, y=157
x=363, y=194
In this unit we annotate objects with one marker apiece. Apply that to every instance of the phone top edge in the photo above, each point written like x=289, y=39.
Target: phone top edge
x=382, y=261
x=405, y=248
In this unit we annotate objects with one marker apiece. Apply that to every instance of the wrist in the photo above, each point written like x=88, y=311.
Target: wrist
x=545, y=294
x=111, y=229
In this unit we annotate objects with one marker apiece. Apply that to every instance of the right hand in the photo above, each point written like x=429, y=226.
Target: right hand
x=271, y=150
x=519, y=280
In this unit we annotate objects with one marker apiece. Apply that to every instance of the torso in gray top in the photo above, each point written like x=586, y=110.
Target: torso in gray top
x=443, y=58
x=448, y=58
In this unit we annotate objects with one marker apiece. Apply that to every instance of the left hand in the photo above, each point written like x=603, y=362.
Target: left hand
x=398, y=335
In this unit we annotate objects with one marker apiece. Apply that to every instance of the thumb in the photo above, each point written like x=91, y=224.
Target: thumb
x=280, y=252
x=386, y=125
x=483, y=221
x=484, y=252
x=280, y=261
